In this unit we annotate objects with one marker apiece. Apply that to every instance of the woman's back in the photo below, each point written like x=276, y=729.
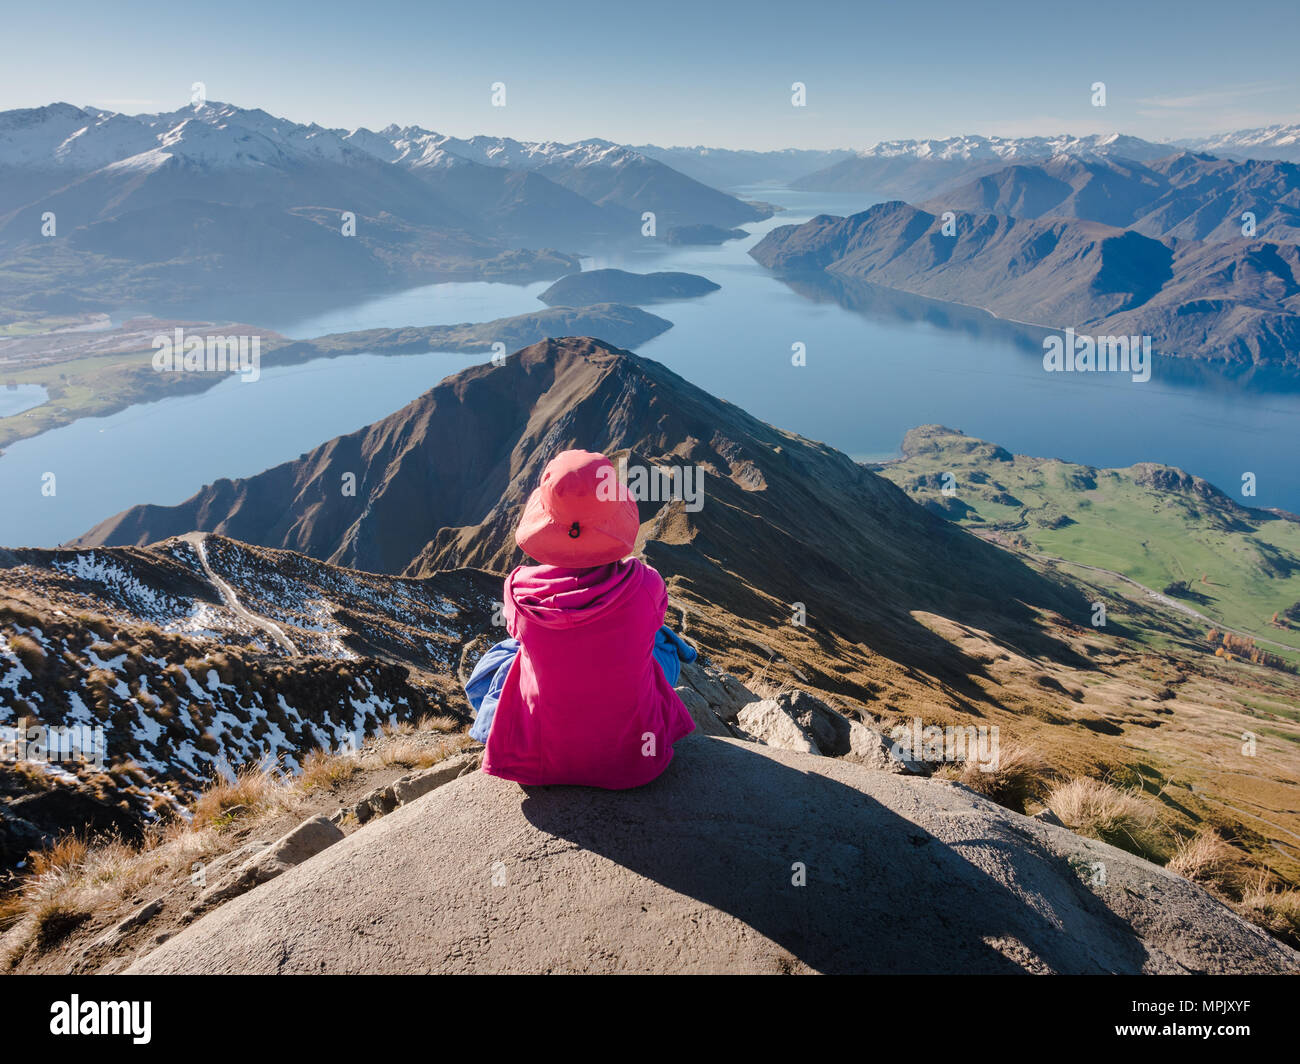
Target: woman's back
x=585, y=702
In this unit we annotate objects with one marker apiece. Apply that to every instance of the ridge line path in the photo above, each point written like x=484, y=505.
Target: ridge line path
x=200, y=543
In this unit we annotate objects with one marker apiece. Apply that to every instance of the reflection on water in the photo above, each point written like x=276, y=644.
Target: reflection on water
x=889, y=305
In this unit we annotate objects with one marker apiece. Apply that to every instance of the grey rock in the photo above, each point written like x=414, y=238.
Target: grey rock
x=306, y=840
x=692, y=873
x=218, y=866
x=869, y=747
x=378, y=802
x=769, y=723
x=708, y=722
x=139, y=918
x=725, y=694
x=413, y=786
x=816, y=727
x=1046, y=816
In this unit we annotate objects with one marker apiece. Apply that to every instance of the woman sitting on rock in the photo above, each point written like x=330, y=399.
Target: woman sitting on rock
x=582, y=692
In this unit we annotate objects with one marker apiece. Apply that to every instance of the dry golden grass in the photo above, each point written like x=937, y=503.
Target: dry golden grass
x=321, y=768
x=72, y=880
x=68, y=852
x=1019, y=775
x=407, y=754
x=764, y=688
x=1272, y=907
x=255, y=790
x=1206, y=858
x=428, y=723
x=1121, y=818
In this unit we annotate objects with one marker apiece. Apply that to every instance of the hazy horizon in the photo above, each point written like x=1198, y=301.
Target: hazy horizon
x=720, y=77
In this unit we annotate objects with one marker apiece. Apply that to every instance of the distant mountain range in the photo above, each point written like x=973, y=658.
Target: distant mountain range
x=159, y=206
x=1234, y=302
x=919, y=169
x=1267, y=142
x=1109, y=235
x=1187, y=196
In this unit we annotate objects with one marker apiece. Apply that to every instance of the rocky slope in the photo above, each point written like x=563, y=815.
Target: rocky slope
x=741, y=858
x=201, y=655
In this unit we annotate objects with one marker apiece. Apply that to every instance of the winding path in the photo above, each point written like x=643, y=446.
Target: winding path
x=200, y=542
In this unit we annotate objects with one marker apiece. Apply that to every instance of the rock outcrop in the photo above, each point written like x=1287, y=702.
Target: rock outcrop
x=740, y=858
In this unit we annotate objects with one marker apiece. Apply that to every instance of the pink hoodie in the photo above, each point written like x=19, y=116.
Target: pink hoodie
x=585, y=702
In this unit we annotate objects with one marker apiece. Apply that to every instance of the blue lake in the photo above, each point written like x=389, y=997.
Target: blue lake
x=877, y=365
x=23, y=397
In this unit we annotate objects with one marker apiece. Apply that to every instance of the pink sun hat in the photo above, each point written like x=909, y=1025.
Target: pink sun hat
x=580, y=515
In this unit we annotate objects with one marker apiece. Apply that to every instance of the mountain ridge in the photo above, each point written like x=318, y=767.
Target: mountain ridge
x=1235, y=302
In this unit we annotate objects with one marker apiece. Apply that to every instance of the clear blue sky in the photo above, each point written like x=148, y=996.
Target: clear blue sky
x=674, y=72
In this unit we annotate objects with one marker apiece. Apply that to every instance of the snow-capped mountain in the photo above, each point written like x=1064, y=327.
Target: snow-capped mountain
x=1268, y=142
x=63, y=136
x=413, y=144
x=218, y=137
x=920, y=169
x=974, y=148
x=916, y=170
x=606, y=174
x=231, y=196
x=215, y=134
